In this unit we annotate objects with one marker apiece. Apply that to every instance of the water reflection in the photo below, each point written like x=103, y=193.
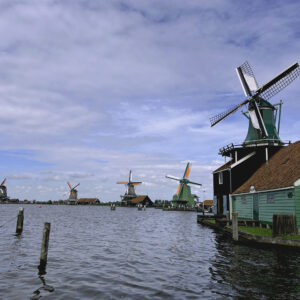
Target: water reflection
x=255, y=272
x=45, y=288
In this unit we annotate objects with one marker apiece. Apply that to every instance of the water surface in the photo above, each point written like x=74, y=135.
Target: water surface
x=96, y=253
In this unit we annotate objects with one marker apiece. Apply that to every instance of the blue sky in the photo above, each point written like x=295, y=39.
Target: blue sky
x=92, y=89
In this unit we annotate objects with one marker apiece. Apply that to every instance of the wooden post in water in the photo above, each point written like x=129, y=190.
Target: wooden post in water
x=228, y=217
x=20, y=220
x=44, y=247
x=235, y=231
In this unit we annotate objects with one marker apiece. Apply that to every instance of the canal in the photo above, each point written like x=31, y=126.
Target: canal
x=96, y=253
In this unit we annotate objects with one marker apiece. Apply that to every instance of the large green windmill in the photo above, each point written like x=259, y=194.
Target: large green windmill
x=184, y=195
x=261, y=113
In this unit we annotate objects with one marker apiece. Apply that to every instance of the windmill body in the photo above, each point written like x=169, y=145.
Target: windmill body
x=3, y=192
x=262, y=140
x=73, y=194
x=130, y=189
x=184, y=196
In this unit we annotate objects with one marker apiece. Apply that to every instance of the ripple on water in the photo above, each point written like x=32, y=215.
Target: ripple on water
x=96, y=253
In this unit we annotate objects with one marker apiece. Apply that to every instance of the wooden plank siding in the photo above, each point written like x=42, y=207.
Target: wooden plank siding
x=297, y=204
x=243, y=204
x=283, y=202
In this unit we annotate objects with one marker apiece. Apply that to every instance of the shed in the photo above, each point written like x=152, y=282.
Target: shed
x=88, y=201
x=142, y=199
x=273, y=189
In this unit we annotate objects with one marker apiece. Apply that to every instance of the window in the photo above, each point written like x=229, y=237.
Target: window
x=243, y=199
x=270, y=198
x=220, y=177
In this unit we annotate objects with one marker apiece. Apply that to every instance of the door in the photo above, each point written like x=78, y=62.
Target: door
x=255, y=207
x=215, y=205
x=224, y=205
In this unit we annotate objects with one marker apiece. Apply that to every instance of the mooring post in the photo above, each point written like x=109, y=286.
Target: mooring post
x=20, y=220
x=44, y=247
x=235, y=231
x=228, y=217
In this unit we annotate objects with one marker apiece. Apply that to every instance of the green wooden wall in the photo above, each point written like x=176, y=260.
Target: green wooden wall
x=281, y=202
x=243, y=204
x=297, y=205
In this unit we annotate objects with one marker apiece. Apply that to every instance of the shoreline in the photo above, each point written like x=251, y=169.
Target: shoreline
x=244, y=237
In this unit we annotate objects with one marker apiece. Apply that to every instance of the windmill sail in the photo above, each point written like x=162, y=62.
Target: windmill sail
x=217, y=118
x=187, y=171
x=172, y=177
x=247, y=78
x=279, y=82
x=178, y=190
x=254, y=119
x=251, y=89
x=260, y=121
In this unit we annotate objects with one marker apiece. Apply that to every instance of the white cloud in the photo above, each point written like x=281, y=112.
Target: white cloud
x=90, y=90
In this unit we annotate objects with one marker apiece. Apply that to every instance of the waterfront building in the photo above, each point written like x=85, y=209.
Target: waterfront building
x=273, y=189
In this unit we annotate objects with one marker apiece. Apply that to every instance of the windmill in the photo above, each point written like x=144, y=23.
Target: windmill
x=184, y=195
x=73, y=193
x=261, y=113
x=3, y=191
x=130, y=190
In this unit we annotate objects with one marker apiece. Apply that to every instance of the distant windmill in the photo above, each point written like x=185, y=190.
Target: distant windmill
x=184, y=195
x=130, y=190
x=262, y=117
x=3, y=191
x=73, y=193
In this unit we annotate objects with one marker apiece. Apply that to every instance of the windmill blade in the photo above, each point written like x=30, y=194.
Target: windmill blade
x=122, y=182
x=195, y=183
x=216, y=119
x=247, y=78
x=173, y=177
x=136, y=183
x=187, y=170
x=76, y=186
x=259, y=120
x=3, y=182
x=130, y=176
x=279, y=82
x=69, y=185
x=179, y=189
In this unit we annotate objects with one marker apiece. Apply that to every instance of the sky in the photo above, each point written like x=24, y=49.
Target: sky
x=92, y=89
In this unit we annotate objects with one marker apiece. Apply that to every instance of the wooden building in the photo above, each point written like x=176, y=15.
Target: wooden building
x=142, y=199
x=85, y=201
x=273, y=189
x=243, y=163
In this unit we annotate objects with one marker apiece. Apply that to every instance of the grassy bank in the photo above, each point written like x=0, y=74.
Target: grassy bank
x=265, y=232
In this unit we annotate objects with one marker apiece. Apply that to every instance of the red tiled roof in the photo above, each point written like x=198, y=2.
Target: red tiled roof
x=209, y=202
x=139, y=199
x=87, y=200
x=282, y=170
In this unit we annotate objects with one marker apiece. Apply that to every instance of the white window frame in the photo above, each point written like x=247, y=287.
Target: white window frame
x=221, y=178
